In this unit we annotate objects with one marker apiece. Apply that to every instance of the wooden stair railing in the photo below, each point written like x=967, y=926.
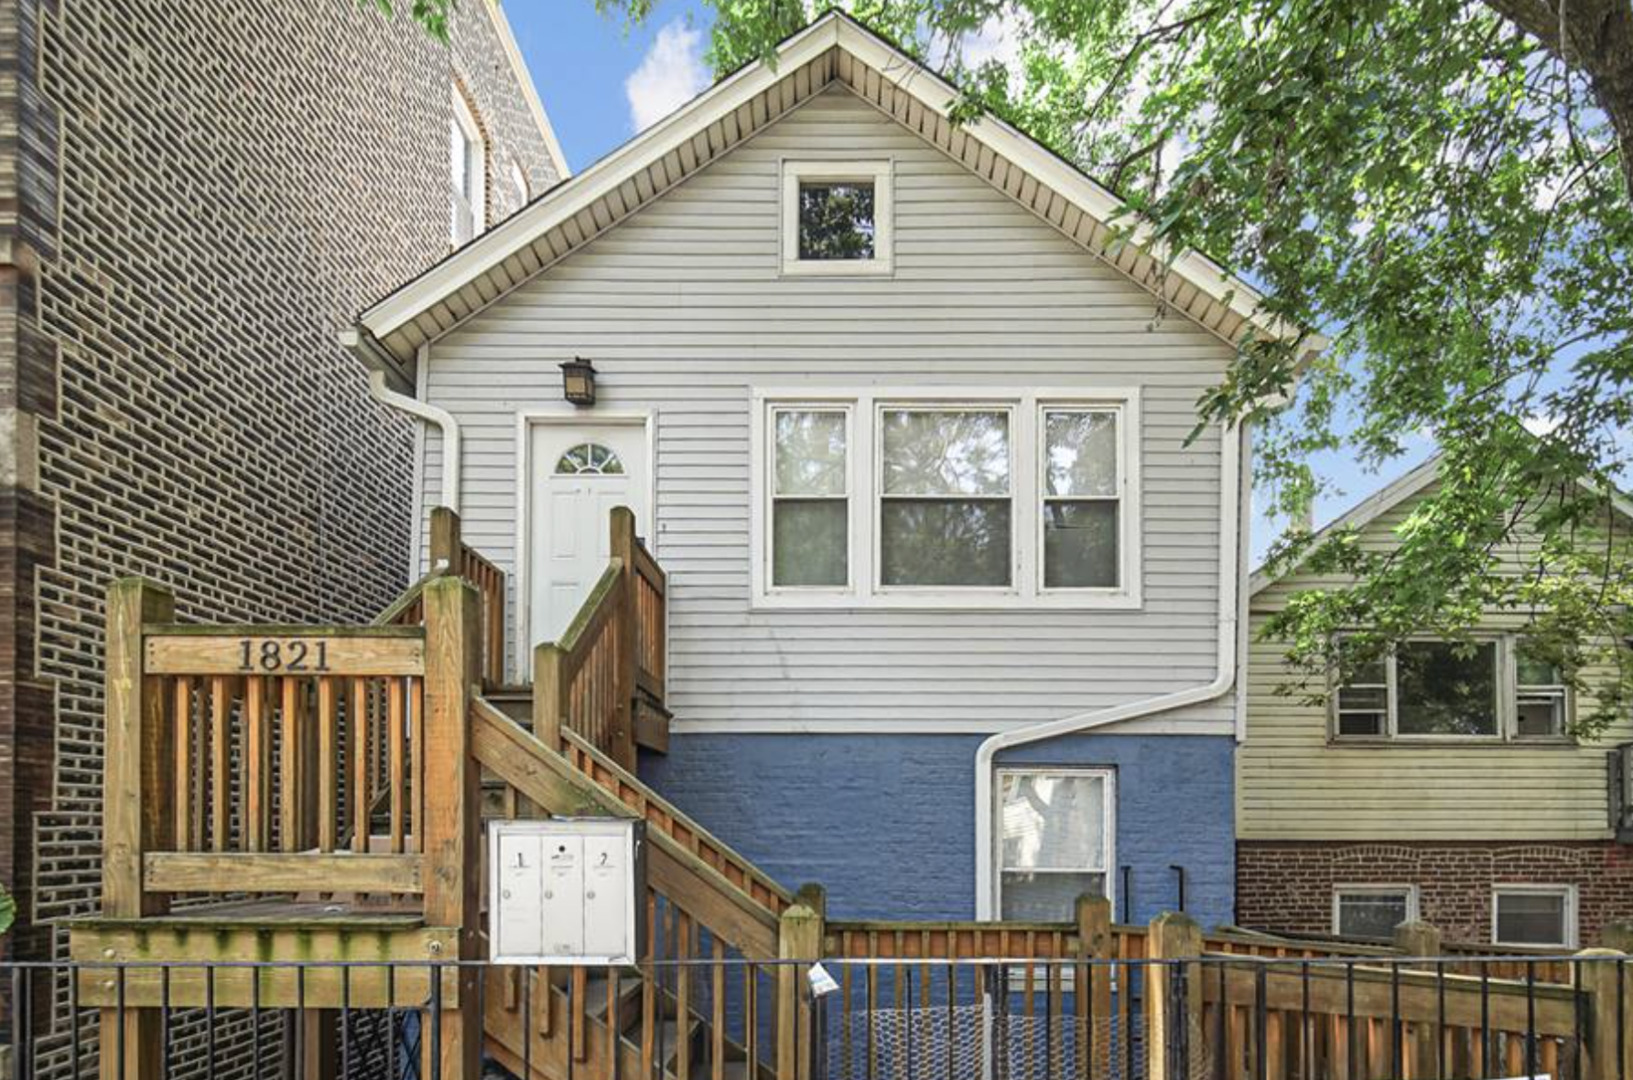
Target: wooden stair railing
x=451, y=556
x=704, y=903
x=271, y=744
x=610, y=661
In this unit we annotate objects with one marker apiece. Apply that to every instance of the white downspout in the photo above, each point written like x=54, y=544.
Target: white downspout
x=1230, y=473
x=431, y=414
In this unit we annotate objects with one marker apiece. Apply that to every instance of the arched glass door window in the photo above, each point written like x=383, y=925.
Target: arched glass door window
x=589, y=459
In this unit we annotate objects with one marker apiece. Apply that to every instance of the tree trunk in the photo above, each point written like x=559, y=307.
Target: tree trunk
x=1597, y=41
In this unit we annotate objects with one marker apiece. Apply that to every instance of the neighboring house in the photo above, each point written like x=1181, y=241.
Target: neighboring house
x=193, y=198
x=1439, y=785
x=953, y=601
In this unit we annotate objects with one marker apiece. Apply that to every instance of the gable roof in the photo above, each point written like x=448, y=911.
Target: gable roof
x=1382, y=502
x=833, y=50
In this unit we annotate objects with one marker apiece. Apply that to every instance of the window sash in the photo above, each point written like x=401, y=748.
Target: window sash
x=1408, y=895
x=1115, y=497
x=776, y=498
x=883, y=498
x=1565, y=894
x=1107, y=852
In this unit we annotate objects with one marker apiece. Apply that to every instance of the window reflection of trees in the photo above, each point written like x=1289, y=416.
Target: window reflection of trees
x=836, y=221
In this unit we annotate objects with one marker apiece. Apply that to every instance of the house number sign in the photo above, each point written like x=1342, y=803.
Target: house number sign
x=283, y=654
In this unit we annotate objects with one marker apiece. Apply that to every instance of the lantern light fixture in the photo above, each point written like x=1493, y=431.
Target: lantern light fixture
x=578, y=381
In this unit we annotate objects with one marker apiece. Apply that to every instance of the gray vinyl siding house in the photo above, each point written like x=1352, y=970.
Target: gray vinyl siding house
x=863, y=733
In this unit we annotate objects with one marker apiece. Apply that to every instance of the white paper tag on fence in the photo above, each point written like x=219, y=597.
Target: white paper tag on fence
x=821, y=982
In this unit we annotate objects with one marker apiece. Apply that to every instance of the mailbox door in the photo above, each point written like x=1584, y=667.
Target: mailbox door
x=562, y=910
x=606, y=903
x=518, y=922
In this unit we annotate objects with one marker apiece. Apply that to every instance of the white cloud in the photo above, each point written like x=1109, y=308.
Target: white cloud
x=1540, y=425
x=671, y=74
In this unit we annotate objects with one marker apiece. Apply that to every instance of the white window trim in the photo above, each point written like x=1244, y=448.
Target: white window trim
x=1025, y=590
x=1566, y=892
x=1507, y=705
x=466, y=120
x=1372, y=889
x=1109, y=789
x=880, y=174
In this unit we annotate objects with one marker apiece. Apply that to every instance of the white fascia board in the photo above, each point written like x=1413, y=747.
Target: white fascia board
x=906, y=74
x=539, y=217
x=937, y=95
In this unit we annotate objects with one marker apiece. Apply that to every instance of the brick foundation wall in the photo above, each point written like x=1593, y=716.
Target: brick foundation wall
x=1287, y=886
x=194, y=199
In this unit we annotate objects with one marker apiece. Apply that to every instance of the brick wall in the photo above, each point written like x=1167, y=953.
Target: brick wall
x=1287, y=887
x=194, y=199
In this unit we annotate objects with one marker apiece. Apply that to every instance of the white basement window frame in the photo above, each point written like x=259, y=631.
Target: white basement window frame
x=1368, y=708
x=1566, y=897
x=1341, y=894
x=1027, y=415
x=797, y=174
x=1101, y=861
x=467, y=174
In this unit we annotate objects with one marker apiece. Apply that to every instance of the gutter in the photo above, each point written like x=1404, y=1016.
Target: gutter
x=364, y=347
x=1223, y=682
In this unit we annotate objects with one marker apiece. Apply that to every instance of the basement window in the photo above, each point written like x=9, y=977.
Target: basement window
x=1542, y=915
x=1055, y=834
x=1371, y=912
x=836, y=217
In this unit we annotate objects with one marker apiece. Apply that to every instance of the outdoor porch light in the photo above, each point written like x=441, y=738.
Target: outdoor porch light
x=578, y=381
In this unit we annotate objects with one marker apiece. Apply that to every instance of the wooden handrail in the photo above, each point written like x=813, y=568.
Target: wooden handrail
x=451, y=556
x=611, y=654
x=718, y=889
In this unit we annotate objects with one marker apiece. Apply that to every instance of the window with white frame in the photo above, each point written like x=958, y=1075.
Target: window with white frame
x=1488, y=688
x=518, y=180
x=887, y=498
x=946, y=505
x=1082, y=495
x=467, y=162
x=1372, y=911
x=1055, y=836
x=1534, y=915
x=810, y=497
x=836, y=217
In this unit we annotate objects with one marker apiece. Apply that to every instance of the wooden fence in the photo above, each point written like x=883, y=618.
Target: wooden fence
x=247, y=759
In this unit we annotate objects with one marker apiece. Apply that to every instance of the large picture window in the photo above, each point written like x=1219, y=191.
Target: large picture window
x=1483, y=689
x=945, y=503
x=1055, y=833
x=889, y=498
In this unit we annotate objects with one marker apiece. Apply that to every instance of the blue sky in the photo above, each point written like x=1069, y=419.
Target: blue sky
x=601, y=82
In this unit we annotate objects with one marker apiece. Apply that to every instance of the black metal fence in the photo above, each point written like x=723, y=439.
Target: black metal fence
x=1202, y=1018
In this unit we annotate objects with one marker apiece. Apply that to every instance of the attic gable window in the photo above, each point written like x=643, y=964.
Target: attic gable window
x=836, y=217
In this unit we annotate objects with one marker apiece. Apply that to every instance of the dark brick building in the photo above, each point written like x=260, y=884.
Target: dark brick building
x=194, y=198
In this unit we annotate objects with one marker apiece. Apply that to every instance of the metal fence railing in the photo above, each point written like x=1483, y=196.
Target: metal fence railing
x=1193, y=1018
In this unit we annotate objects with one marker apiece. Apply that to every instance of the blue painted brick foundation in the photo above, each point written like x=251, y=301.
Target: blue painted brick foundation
x=886, y=822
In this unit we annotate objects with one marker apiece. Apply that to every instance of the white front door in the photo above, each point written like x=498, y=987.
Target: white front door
x=579, y=473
